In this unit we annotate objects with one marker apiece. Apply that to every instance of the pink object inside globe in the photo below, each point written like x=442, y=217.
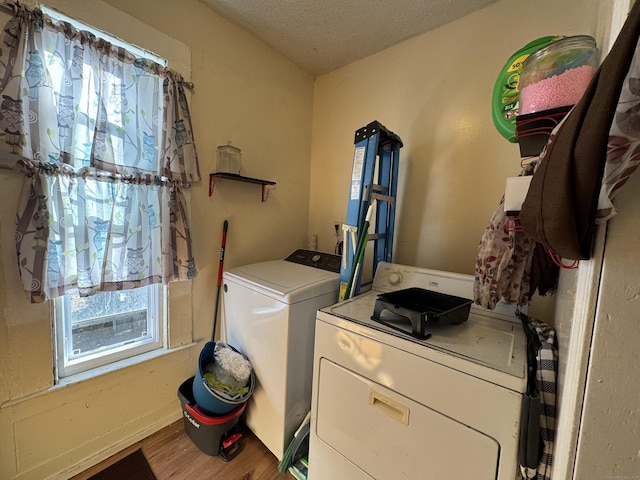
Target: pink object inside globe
x=556, y=91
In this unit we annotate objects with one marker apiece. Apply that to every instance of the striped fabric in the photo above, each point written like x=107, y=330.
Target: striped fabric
x=546, y=371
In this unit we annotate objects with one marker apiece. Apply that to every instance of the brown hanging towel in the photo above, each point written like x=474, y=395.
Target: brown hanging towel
x=560, y=207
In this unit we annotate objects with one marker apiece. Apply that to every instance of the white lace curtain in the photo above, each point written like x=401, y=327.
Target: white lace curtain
x=106, y=149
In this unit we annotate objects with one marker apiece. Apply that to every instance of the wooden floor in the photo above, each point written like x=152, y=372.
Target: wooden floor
x=173, y=456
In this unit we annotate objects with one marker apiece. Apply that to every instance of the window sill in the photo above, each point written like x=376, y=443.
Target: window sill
x=96, y=372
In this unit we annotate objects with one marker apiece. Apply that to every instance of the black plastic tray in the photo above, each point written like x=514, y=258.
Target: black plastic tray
x=422, y=308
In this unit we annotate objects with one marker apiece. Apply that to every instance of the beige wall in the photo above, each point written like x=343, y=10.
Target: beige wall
x=244, y=93
x=434, y=91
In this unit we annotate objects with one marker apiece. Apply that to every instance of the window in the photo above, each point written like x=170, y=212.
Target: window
x=108, y=326
x=104, y=139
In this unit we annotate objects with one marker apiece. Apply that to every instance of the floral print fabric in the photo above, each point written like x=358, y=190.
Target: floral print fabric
x=503, y=263
x=623, y=147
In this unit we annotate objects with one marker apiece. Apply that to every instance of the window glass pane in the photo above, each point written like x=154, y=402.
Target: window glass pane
x=107, y=327
x=108, y=319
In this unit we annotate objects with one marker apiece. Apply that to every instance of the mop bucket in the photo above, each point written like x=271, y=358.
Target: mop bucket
x=212, y=435
x=213, y=401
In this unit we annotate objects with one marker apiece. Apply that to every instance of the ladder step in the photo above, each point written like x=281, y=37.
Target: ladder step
x=386, y=198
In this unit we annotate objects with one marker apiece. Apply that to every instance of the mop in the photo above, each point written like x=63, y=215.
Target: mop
x=223, y=245
x=359, y=256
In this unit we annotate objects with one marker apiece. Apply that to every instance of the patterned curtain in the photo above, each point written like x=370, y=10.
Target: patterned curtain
x=106, y=149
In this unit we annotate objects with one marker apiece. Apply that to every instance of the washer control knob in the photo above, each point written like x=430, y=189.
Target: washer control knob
x=316, y=258
x=395, y=278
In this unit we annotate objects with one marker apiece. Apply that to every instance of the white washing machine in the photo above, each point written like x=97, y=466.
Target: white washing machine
x=269, y=314
x=387, y=405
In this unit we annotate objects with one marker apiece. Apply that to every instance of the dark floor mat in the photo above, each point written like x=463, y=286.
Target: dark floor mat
x=133, y=466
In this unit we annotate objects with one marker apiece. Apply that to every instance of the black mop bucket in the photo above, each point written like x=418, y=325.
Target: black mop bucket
x=212, y=435
x=215, y=401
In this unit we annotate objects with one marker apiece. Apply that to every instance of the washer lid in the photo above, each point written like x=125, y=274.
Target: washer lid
x=285, y=281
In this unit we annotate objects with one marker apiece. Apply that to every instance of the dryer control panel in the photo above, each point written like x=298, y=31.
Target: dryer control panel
x=313, y=258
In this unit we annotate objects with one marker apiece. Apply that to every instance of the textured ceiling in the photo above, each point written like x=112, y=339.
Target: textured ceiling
x=322, y=35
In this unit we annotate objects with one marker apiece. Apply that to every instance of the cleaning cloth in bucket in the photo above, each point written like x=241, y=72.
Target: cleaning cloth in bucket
x=228, y=371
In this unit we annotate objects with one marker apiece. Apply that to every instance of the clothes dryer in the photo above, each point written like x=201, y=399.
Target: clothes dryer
x=388, y=405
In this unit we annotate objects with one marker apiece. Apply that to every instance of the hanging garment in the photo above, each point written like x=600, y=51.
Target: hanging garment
x=509, y=264
x=538, y=420
x=502, y=263
x=544, y=273
x=623, y=148
x=559, y=210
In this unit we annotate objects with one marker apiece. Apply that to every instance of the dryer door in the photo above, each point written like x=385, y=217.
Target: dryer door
x=390, y=436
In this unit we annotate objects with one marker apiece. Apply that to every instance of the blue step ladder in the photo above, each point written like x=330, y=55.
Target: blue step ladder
x=376, y=158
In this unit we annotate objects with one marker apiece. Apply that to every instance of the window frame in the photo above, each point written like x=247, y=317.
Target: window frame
x=62, y=331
